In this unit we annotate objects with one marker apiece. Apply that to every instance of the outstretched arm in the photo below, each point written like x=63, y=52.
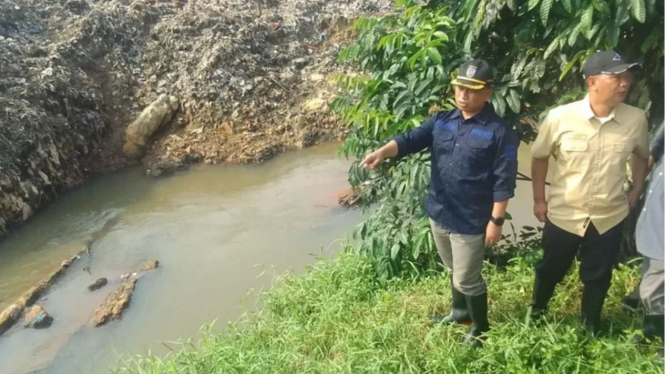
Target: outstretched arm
x=411, y=142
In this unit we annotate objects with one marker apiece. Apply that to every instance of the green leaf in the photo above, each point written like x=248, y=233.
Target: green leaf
x=468, y=40
x=514, y=101
x=545, y=8
x=442, y=36
x=587, y=18
x=551, y=48
x=519, y=67
x=394, y=251
x=593, y=31
x=567, y=5
x=657, y=33
x=572, y=38
x=412, y=61
x=570, y=65
x=601, y=6
x=399, y=97
x=499, y=104
x=651, y=6
x=622, y=12
x=434, y=54
x=612, y=35
x=397, y=85
x=422, y=85
x=384, y=41
x=639, y=10
x=403, y=238
x=533, y=4
x=548, y=30
x=511, y=5
x=376, y=126
x=417, y=245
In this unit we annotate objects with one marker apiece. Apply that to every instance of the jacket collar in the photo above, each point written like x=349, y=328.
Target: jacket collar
x=480, y=117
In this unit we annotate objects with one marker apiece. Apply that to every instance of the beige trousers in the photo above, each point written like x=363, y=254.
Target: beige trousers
x=463, y=256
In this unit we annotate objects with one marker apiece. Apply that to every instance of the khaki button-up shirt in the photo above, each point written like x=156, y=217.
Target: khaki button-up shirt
x=589, y=163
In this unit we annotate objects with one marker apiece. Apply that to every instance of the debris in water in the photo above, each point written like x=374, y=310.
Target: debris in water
x=37, y=318
x=348, y=198
x=150, y=265
x=11, y=314
x=87, y=246
x=99, y=283
x=119, y=299
x=115, y=303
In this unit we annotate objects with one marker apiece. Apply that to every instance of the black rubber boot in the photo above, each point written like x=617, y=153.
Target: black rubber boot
x=540, y=298
x=459, y=312
x=477, y=306
x=632, y=301
x=593, y=298
x=653, y=328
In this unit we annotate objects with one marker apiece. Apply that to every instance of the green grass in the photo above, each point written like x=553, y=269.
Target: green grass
x=337, y=319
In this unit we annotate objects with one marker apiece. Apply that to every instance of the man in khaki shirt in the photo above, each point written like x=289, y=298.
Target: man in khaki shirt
x=589, y=142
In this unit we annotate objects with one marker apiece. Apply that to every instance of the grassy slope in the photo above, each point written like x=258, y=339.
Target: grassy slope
x=336, y=319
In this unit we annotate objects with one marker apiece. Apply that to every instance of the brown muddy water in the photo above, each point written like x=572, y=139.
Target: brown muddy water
x=219, y=232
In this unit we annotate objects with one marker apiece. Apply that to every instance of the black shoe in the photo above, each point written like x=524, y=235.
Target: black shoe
x=459, y=312
x=593, y=298
x=477, y=306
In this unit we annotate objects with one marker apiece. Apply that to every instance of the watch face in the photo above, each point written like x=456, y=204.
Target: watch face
x=498, y=221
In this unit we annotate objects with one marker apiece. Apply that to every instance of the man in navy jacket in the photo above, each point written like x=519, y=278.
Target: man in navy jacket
x=474, y=167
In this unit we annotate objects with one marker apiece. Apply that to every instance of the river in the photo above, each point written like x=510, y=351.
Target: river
x=219, y=232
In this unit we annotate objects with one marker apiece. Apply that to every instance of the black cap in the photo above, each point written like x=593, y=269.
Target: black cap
x=475, y=74
x=606, y=62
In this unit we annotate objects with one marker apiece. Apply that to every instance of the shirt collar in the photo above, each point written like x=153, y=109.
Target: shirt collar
x=480, y=117
x=588, y=113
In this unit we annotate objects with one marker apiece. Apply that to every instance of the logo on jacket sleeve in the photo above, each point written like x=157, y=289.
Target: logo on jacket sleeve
x=510, y=152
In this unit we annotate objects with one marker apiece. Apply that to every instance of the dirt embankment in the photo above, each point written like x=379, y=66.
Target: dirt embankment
x=249, y=76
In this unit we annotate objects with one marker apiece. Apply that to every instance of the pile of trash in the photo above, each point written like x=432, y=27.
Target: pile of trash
x=249, y=77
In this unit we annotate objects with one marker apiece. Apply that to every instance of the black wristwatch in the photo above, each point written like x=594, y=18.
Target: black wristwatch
x=497, y=221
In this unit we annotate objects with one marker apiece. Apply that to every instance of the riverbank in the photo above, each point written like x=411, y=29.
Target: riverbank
x=338, y=319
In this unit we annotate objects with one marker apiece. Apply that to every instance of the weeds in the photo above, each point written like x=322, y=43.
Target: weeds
x=338, y=318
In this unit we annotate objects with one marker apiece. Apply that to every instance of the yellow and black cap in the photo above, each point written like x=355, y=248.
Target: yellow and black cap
x=475, y=75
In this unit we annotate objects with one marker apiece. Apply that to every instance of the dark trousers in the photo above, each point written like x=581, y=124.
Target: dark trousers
x=598, y=255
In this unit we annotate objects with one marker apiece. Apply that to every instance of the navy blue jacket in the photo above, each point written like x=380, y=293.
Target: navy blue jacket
x=474, y=164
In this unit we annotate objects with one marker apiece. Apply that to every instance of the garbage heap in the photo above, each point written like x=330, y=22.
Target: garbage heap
x=250, y=79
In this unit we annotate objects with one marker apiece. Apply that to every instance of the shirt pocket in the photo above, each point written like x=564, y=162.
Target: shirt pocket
x=620, y=146
x=443, y=142
x=477, y=152
x=574, y=143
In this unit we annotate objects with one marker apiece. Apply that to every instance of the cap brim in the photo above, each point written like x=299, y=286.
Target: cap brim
x=469, y=85
x=621, y=68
